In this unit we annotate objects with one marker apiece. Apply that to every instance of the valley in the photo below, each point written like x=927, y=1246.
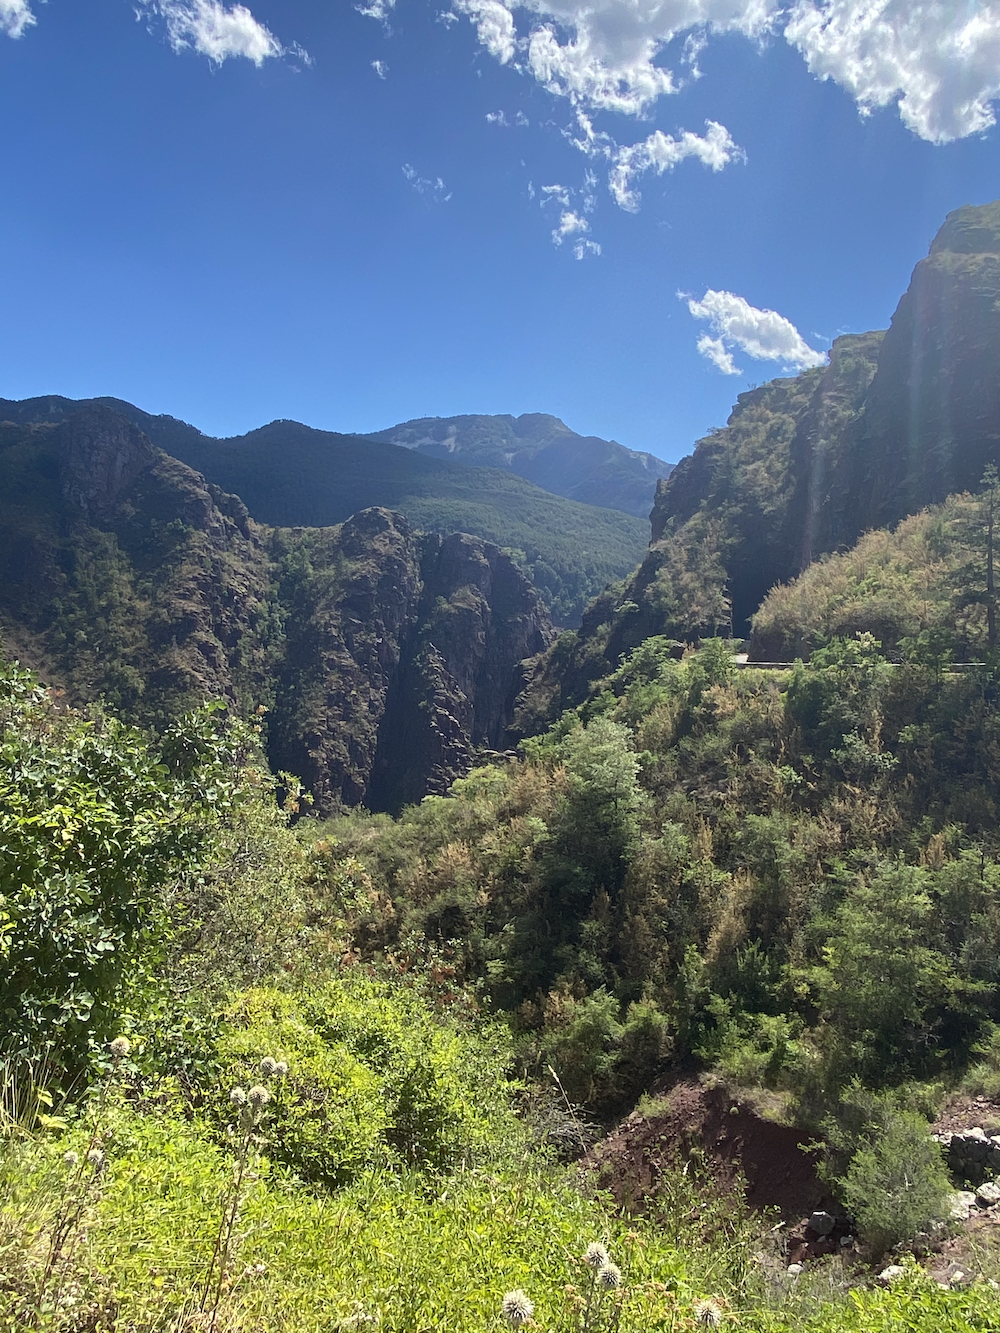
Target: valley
x=495, y=935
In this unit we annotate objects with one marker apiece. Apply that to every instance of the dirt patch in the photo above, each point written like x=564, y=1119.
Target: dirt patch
x=731, y=1139
x=963, y=1112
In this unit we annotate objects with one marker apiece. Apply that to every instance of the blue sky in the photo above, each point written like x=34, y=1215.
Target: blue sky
x=230, y=215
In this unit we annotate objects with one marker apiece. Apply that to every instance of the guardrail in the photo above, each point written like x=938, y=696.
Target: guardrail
x=741, y=662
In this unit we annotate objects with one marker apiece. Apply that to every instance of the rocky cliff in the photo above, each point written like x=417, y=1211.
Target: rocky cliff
x=384, y=658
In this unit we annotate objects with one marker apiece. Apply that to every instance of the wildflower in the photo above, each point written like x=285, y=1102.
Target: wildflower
x=596, y=1256
x=268, y=1066
x=238, y=1097
x=120, y=1047
x=609, y=1275
x=71, y=1158
x=708, y=1312
x=281, y=1068
x=517, y=1308
x=258, y=1095
x=96, y=1158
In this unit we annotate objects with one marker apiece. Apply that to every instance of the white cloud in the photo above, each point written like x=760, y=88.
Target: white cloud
x=380, y=68
x=15, y=16
x=603, y=53
x=662, y=152
x=218, y=32
x=494, y=26
x=558, y=194
x=378, y=9
x=570, y=224
x=500, y=118
x=715, y=350
x=939, y=61
x=584, y=248
x=433, y=188
x=762, y=334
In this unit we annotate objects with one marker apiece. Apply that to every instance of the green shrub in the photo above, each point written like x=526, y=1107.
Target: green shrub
x=895, y=1182
x=375, y=1078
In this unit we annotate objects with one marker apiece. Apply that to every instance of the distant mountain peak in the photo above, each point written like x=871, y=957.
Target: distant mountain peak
x=542, y=449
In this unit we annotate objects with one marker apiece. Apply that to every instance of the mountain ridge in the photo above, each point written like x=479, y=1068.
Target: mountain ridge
x=384, y=658
x=805, y=465
x=542, y=449
x=289, y=474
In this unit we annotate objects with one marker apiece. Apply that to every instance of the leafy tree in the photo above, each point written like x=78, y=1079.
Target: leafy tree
x=98, y=823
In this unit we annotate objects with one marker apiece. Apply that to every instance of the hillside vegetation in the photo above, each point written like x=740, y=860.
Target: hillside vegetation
x=216, y=1116
x=922, y=586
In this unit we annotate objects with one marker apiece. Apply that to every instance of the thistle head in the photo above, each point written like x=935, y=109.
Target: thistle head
x=609, y=1275
x=709, y=1313
x=269, y=1066
x=517, y=1308
x=96, y=1158
x=238, y=1097
x=596, y=1255
x=258, y=1096
x=71, y=1158
x=119, y=1048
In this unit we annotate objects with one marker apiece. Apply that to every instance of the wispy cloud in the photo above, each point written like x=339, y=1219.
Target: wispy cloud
x=380, y=68
x=494, y=24
x=15, y=17
x=662, y=152
x=377, y=9
x=219, y=32
x=432, y=188
x=763, y=335
x=714, y=350
x=500, y=118
x=569, y=224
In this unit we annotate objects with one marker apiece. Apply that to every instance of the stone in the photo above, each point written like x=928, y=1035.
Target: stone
x=988, y=1195
x=890, y=1274
x=822, y=1223
x=960, y=1205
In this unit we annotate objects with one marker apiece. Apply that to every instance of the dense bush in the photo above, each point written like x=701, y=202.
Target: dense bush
x=99, y=824
x=892, y=1175
x=374, y=1078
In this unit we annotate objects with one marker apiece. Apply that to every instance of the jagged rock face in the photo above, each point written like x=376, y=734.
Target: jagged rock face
x=385, y=657
x=402, y=659
x=102, y=455
x=932, y=420
x=478, y=621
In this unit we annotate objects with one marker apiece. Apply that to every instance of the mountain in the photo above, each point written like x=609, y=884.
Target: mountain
x=387, y=657
x=896, y=421
x=290, y=475
x=543, y=450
